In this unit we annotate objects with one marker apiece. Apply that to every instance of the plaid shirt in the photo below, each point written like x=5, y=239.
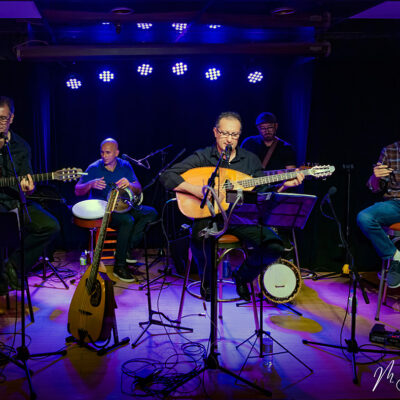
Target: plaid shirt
x=390, y=185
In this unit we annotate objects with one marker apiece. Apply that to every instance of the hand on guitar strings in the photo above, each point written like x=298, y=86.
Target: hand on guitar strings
x=27, y=184
x=294, y=182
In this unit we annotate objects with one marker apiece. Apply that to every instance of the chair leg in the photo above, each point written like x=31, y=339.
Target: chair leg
x=254, y=302
x=220, y=288
x=28, y=298
x=382, y=288
x=185, y=281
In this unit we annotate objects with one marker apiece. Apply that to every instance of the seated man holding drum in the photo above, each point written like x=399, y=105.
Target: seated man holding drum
x=100, y=178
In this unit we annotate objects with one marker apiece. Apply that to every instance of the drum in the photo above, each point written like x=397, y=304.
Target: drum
x=126, y=200
x=89, y=213
x=281, y=281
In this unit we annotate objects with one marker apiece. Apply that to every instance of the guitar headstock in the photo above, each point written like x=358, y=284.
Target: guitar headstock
x=321, y=171
x=68, y=174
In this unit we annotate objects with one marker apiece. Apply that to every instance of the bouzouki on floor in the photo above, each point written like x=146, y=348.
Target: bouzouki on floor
x=227, y=178
x=91, y=315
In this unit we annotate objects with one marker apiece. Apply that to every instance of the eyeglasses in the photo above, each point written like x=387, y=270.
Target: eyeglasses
x=4, y=119
x=266, y=128
x=233, y=135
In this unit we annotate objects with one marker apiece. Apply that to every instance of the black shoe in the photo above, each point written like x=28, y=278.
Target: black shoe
x=241, y=286
x=205, y=292
x=3, y=284
x=123, y=274
x=393, y=275
x=13, y=280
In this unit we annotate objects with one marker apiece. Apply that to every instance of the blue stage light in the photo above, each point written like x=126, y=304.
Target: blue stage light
x=179, y=26
x=213, y=74
x=73, y=83
x=106, y=76
x=142, y=25
x=145, y=69
x=255, y=77
x=106, y=23
x=179, y=68
x=214, y=26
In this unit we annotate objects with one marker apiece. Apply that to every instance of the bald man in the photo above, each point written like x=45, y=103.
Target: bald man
x=102, y=174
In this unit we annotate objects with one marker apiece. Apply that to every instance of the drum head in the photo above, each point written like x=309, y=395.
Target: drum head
x=280, y=282
x=89, y=209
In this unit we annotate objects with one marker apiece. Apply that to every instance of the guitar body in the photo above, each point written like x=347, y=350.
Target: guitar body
x=90, y=315
x=189, y=205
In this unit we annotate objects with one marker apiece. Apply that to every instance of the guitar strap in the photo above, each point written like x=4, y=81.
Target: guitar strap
x=269, y=153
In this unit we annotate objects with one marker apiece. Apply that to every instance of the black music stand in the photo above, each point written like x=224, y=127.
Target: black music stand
x=286, y=210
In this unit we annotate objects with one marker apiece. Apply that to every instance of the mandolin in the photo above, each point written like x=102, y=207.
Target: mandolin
x=227, y=178
x=90, y=315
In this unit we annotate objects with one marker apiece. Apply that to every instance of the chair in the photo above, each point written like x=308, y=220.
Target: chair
x=393, y=232
x=226, y=244
x=110, y=244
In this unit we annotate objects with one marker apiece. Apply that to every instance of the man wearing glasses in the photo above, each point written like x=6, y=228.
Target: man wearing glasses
x=273, y=152
x=267, y=246
x=42, y=227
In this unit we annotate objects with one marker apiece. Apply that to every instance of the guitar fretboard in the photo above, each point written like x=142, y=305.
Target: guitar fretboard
x=11, y=181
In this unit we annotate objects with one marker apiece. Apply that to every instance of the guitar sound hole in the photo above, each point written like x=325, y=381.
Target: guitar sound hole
x=95, y=297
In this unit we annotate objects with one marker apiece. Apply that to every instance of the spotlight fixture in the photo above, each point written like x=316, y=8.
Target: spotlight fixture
x=283, y=11
x=144, y=26
x=106, y=76
x=214, y=26
x=179, y=68
x=179, y=26
x=255, y=77
x=145, y=69
x=213, y=74
x=106, y=23
x=73, y=82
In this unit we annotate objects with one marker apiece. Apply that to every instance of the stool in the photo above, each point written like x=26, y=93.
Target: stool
x=110, y=243
x=226, y=243
x=391, y=231
x=92, y=225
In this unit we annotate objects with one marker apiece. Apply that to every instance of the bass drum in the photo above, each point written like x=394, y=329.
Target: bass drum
x=281, y=281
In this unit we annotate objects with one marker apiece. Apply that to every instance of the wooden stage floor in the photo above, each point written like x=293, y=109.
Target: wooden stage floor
x=163, y=356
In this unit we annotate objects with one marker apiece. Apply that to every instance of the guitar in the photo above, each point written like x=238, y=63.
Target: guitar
x=90, y=315
x=189, y=205
x=66, y=174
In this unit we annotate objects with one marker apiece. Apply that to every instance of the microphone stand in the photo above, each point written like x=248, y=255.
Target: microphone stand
x=23, y=355
x=352, y=346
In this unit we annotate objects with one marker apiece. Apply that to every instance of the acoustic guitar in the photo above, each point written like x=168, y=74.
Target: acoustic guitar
x=90, y=315
x=227, y=178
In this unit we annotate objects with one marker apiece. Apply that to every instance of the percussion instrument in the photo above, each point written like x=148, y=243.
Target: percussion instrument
x=280, y=281
x=126, y=200
x=89, y=213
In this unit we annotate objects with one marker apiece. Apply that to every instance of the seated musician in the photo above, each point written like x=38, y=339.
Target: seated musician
x=265, y=247
x=102, y=174
x=42, y=227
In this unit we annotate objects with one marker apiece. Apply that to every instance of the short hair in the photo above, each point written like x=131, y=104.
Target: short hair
x=7, y=101
x=228, y=115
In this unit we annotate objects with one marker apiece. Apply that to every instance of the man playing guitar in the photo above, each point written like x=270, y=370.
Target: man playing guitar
x=265, y=247
x=101, y=176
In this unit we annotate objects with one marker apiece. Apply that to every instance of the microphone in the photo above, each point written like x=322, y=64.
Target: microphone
x=137, y=162
x=332, y=190
x=228, y=151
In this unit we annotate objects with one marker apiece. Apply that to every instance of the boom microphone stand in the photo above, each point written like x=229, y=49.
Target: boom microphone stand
x=23, y=355
x=352, y=346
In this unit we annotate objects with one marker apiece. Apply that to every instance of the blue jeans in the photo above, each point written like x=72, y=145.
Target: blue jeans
x=372, y=219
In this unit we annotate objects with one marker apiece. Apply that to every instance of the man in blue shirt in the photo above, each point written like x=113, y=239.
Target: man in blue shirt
x=100, y=178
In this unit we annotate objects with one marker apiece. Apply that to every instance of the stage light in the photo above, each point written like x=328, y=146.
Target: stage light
x=179, y=26
x=255, y=77
x=179, y=68
x=214, y=26
x=106, y=23
x=106, y=76
x=73, y=82
x=145, y=69
x=213, y=74
x=141, y=25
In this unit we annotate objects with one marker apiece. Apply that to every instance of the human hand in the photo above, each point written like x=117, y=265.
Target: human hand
x=123, y=183
x=294, y=182
x=98, y=184
x=382, y=170
x=27, y=184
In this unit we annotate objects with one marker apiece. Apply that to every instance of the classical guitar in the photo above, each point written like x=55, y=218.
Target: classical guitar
x=65, y=174
x=90, y=315
x=189, y=205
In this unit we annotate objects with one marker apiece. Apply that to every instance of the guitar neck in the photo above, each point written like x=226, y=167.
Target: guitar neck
x=11, y=181
x=268, y=179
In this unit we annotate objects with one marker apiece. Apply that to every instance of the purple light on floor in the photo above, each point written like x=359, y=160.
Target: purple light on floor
x=179, y=68
x=255, y=77
x=73, y=83
x=213, y=74
x=141, y=25
x=145, y=69
x=106, y=76
x=179, y=26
